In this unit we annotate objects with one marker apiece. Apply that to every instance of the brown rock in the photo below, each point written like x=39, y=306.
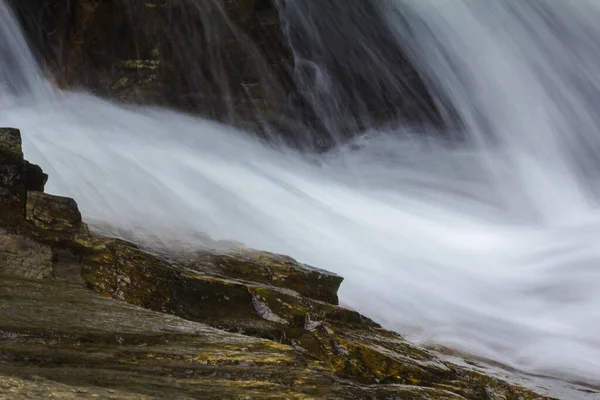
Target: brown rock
x=53, y=219
x=53, y=213
x=21, y=256
x=17, y=176
x=271, y=269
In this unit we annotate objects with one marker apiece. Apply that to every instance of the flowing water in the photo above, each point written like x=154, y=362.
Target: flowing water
x=487, y=246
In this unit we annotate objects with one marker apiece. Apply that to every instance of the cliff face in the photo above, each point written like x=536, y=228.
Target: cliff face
x=100, y=317
x=190, y=55
x=239, y=61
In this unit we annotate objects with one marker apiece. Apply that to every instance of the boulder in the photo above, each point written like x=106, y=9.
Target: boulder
x=145, y=52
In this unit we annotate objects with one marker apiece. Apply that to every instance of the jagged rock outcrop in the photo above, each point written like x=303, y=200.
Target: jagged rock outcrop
x=17, y=176
x=243, y=324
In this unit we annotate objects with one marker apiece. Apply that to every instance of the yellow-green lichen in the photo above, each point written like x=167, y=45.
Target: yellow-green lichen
x=140, y=64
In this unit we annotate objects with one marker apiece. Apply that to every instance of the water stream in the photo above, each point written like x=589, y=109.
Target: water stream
x=488, y=246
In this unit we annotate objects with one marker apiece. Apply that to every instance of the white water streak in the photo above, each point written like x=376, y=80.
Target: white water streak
x=476, y=248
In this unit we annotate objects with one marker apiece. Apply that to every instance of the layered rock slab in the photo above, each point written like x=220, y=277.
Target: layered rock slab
x=65, y=335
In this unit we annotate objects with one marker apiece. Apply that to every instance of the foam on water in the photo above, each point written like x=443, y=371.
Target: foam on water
x=488, y=247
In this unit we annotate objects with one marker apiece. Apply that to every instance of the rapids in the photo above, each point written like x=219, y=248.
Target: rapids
x=488, y=246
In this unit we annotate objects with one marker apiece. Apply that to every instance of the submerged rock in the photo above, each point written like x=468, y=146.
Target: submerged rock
x=243, y=324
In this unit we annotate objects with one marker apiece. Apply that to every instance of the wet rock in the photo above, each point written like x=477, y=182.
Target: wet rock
x=12, y=171
x=35, y=178
x=120, y=270
x=17, y=176
x=231, y=60
x=143, y=52
x=60, y=340
x=66, y=265
x=24, y=175
x=54, y=220
x=271, y=269
x=10, y=146
x=55, y=214
x=240, y=11
x=74, y=341
x=346, y=344
x=21, y=256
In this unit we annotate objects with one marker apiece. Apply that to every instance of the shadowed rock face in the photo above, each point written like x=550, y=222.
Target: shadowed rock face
x=351, y=68
x=199, y=56
x=17, y=176
x=245, y=62
x=52, y=329
x=241, y=324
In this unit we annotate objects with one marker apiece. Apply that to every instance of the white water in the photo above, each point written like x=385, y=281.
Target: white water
x=488, y=247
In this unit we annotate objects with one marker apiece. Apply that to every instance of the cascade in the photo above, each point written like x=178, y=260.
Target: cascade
x=487, y=246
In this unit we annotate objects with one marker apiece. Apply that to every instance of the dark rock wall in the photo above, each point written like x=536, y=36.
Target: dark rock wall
x=205, y=56
x=350, y=67
x=238, y=61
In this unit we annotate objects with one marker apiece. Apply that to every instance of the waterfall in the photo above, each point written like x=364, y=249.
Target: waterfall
x=487, y=245
x=524, y=77
x=331, y=43
x=19, y=73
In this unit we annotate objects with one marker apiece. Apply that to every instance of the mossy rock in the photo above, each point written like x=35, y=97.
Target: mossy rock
x=345, y=343
x=60, y=340
x=10, y=146
x=271, y=269
x=54, y=218
x=74, y=341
